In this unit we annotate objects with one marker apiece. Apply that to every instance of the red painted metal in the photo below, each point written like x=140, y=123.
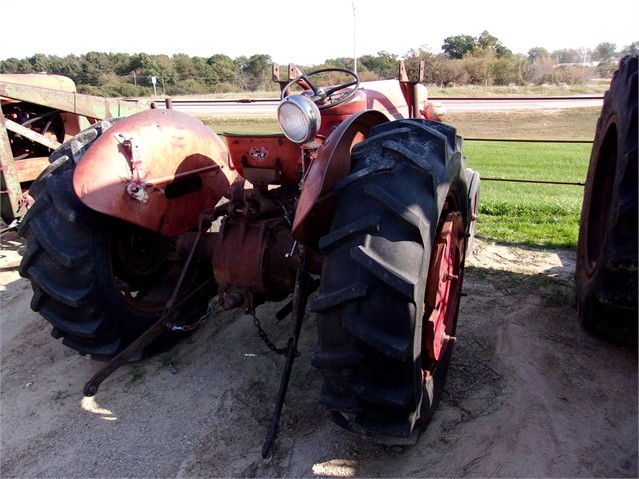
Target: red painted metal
x=265, y=159
x=333, y=162
x=386, y=96
x=252, y=255
x=444, y=285
x=157, y=169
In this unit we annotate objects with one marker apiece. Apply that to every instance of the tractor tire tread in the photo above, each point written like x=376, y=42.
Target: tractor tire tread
x=390, y=198
x=607, y=297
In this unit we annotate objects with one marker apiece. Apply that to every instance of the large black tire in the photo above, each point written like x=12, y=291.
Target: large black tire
x=606, y=270
x=99, y=281
x=378, y=379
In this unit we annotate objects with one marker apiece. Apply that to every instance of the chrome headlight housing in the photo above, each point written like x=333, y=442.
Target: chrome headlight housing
x=299, y=118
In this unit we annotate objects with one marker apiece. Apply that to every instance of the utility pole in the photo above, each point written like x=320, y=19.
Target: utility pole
x=354, y=40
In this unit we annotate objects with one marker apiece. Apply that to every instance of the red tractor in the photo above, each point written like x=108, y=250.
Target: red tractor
x=361, y=196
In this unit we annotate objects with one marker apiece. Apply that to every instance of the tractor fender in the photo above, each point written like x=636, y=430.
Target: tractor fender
x=157, y=169
x=333, y=162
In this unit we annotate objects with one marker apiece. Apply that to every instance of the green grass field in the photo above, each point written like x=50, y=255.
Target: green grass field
x=517, y=213
x=529, y=213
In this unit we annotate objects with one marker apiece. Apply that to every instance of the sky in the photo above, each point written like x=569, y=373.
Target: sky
x=305, y=33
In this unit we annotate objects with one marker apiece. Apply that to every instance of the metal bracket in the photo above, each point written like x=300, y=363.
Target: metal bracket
x=409, y=88
x=293, y=72
x=136, y=187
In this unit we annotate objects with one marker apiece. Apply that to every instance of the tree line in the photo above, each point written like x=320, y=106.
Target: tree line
x=464, y=59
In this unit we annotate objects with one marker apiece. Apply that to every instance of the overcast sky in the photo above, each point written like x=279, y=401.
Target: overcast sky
x=304, y=33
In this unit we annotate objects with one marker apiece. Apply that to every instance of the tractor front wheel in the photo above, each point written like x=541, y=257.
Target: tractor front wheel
x=391, y=280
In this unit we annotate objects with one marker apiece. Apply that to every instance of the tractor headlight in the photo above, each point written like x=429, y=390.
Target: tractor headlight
x=299, y=118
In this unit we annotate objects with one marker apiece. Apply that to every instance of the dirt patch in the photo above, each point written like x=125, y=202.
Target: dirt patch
x=529, y=394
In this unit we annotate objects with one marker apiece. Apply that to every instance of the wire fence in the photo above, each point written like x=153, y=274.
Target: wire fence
x=519, y=180
x=217, y=103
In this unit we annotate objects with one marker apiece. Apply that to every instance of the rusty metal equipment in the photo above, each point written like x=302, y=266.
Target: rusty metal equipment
x=39, y=112
x=363, y=195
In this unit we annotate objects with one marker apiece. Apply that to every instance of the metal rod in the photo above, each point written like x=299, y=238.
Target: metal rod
x=31, y=134
x=535, y=181
x=354, y=40
x=91, y=387
x=527, y=140
x=184, y=101
x=300, y=296
x=156, y=330
x=519, y=98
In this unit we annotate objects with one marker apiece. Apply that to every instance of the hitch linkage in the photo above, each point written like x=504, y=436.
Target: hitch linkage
x=304, y=286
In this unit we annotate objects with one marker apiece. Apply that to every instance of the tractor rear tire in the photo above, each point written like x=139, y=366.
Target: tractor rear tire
x=99, y=281
x=606, y=269
x=379, y=381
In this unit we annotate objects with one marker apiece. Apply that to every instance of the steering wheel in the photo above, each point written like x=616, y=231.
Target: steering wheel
x=323, y=97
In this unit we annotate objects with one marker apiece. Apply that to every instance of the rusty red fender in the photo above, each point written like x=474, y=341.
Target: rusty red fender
x=157, y=169
x=333, y=162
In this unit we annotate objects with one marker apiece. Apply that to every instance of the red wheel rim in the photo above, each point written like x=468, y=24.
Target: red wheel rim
x=443, y=286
